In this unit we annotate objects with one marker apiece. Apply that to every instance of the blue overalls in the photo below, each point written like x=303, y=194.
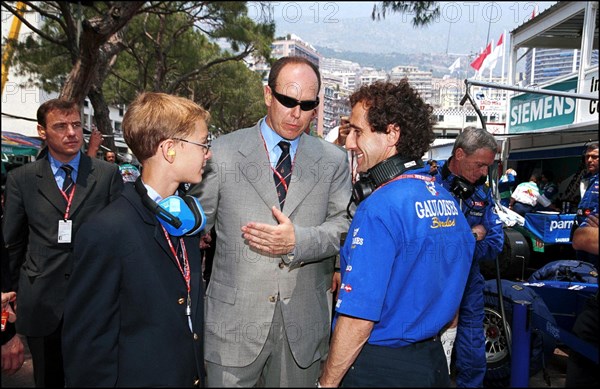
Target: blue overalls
x=469, y=346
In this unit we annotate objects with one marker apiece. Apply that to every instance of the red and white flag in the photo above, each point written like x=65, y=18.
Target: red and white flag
x=490, y=61
x=476, y=64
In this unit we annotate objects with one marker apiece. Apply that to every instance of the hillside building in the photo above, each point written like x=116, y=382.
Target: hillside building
x=545, y=64
x=419, y=79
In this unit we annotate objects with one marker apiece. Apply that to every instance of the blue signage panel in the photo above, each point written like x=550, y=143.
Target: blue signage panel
x=550, y=228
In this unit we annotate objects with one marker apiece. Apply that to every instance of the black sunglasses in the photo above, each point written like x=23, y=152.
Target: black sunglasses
x=288, y=102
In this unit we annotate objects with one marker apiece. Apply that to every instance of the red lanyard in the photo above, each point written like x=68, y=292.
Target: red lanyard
x=281, y=179
x=403, y=176
x=185, y=271
x=279, y=176
x=69, y=200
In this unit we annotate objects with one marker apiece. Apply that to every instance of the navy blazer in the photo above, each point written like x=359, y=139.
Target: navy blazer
x=125, y=322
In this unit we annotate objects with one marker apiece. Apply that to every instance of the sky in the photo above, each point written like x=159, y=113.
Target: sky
x=469, y=25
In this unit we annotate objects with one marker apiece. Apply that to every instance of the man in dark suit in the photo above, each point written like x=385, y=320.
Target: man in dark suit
x=45, y=203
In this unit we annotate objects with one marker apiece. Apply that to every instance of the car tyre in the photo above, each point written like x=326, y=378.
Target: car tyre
x=496, y=346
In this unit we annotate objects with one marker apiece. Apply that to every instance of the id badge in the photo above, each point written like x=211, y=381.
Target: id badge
x=64, y=231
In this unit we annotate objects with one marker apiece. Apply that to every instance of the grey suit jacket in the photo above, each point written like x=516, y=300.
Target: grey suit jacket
x=41, y=267
x=238, y=187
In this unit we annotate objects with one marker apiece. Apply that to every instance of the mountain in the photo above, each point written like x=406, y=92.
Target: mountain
x=437, y=63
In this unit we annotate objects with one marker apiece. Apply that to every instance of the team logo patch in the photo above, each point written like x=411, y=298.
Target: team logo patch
x=356, y=240
x=431, y=188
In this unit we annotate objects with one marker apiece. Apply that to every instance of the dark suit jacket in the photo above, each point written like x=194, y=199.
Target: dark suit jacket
x=40, y=267
x=125, y=322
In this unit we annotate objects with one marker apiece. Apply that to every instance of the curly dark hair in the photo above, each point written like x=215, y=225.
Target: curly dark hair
x=398, y=104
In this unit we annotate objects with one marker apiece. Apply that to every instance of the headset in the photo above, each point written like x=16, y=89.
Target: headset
x=178, y=215
x=460, y=187
x=381, y=173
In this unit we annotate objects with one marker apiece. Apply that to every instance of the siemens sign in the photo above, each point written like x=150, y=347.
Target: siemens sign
x=532, y=111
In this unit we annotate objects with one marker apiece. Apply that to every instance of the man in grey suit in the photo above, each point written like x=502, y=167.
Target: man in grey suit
x=45, y=203
x=268, y=306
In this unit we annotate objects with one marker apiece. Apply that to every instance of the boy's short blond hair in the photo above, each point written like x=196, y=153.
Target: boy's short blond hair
x=153, y=117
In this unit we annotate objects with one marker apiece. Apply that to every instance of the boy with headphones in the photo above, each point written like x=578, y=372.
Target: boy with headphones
x=134, y=311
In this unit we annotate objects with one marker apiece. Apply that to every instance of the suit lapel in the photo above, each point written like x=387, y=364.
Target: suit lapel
x=148, y=218
x=252, y=163
x=161, y=239
x=86, y=181
x=159, y=234
x=306, y=173
x=46, y=184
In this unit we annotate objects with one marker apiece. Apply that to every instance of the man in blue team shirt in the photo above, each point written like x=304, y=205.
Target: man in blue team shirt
x=464, y=174
x=407, y=255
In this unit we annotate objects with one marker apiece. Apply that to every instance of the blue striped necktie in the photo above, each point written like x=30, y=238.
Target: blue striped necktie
x=68, y=184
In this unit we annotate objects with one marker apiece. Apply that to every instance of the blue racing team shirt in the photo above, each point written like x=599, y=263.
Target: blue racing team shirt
x=406, y=259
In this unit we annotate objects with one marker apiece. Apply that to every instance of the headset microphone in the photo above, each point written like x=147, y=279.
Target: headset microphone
x=178, y=215
x=460, y=187
x=381, y=173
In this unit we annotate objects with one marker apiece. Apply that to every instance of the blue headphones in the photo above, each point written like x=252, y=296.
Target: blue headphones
x=178, y=215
